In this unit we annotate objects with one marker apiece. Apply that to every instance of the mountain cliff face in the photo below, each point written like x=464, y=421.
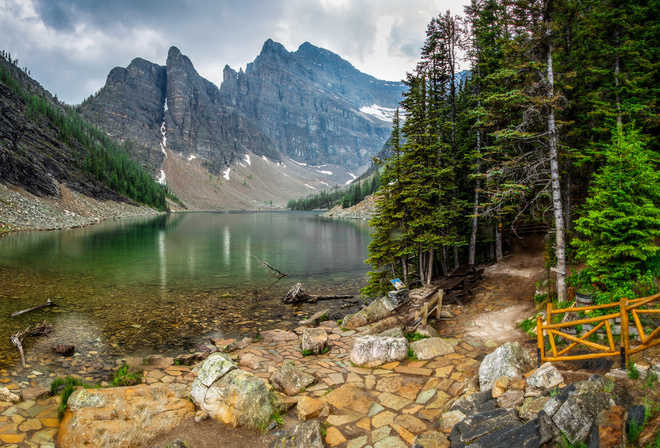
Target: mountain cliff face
x=315, y=106
x=309, y=105
x=32, y=157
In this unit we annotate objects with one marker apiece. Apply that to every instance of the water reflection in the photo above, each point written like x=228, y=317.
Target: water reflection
x=152, y=283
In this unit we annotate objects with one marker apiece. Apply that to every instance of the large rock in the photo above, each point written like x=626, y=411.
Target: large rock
x=431, y=348
x=372, y=351
x=576, y=407
x=315, y=319
x=123, y=416
x=611, y=424
x=509, y=360
x=291, y=380
x=314, y=340
x=304, y=435
x=378, y=309
x=545, y=377
x=230, y=395
x=431, y=440
x=7, y=395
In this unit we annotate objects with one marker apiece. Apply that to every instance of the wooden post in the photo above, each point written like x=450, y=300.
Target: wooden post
x=548, y=313
x=540, y=352
x=425, y=314
x=438, y=307
x=623, y=309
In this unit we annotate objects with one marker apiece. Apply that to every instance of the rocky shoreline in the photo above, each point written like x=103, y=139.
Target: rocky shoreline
x=21, y=211
x=362, y=211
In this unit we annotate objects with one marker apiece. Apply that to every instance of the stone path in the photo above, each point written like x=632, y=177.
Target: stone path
x=384, y=407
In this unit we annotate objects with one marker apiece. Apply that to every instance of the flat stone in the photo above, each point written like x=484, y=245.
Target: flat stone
x=430, y=348
x=450, y=419
x=382, y=419
x=511, y=399
x=380, y=433
x=309, y=407
x=434, y=440
x=393, y=401
x=425, y=396
x=351, y=398
x=411, y=423
x=358, y=442
x=334, y=436
x=391, y=442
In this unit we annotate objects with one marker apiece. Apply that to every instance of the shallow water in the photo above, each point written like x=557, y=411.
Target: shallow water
x=161, y=285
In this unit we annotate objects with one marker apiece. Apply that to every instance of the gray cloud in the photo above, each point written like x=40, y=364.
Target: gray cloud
x=71, y=45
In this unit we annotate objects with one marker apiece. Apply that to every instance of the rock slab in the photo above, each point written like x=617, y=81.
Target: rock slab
x=123, y=416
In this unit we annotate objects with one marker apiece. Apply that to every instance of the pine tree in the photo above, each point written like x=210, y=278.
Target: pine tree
x=621, y=219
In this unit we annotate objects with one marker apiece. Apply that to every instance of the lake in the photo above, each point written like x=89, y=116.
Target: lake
x=161, y=285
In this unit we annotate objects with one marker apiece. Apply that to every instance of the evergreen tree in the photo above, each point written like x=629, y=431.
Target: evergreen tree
x=621, y=219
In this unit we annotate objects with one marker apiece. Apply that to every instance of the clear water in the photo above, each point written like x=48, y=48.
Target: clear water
x=162, y=284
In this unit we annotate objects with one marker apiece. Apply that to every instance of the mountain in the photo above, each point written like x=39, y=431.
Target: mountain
x=310, y=106
x=315, y=106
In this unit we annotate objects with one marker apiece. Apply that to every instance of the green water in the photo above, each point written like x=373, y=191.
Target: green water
x=161, y=284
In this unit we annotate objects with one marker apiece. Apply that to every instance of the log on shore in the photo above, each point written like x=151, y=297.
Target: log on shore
x=296, y=294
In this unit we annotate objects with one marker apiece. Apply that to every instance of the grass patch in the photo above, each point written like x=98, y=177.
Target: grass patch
x=634, y=432
x=125, y=377
x=633, y=371
x=68, y=385
x=411, y=355
x=415, y=337
x=307, y=353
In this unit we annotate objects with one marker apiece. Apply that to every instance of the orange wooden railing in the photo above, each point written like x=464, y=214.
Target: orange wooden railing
x=624, y=307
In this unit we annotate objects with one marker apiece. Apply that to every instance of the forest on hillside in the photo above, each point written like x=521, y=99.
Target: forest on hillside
x=558, y=122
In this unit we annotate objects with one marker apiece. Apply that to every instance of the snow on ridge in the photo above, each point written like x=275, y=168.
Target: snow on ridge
x=192, y=156
x=329, y=173
x=161, y=178
x=379, y=112
x=350, y=181
x=225, y=173
x=247, y=159
x=309, y=186
x=299, y=163
x=264, y=157
x=324, y=183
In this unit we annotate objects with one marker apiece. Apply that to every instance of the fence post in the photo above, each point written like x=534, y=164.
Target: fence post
x=625, y=336
x=540, y=350
x=438, y=307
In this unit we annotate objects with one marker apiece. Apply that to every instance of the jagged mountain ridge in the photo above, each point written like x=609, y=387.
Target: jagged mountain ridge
x=316, y=107
x=304, y=105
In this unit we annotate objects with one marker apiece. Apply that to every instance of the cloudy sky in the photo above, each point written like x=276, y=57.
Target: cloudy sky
x=69, y=46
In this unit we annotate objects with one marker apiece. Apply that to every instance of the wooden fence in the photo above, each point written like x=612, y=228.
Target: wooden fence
x=605, y=323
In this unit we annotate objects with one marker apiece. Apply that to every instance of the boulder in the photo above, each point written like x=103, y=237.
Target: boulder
x=372, y=351
x=396, y=332
x=378, y=309
x=225, y=345
x=157, y=362
x=475, y=403
x=430, y=348
x=479, y=425
x=576, y=407
x=501, y=386
x=278, y=336
x=511, y=399
x=636, y=417
x=545, y=378
x=509, y=360
x=230, y=395
x=531, y=407
x=123, y=416
x=7, y=395
x=314, y=340
x=64, y=349
x=303, y=435
x=428, y=331
x=34, y=393
x=291, y=380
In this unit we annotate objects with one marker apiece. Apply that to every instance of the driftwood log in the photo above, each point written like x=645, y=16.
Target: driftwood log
x=296, y=294
x=271, y=270
x=44, y=305
x=38, y=330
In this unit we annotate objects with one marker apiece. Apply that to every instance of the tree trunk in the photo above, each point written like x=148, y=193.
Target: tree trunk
x=498, y=241
x=560, y=249
x=473, y=234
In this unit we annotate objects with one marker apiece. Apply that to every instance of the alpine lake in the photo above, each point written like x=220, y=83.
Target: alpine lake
x=166, y=284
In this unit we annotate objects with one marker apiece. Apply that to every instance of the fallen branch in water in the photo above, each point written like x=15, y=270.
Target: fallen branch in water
x=44, y=305
x=271, y=270
x=17, y=339
x=296, y=294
